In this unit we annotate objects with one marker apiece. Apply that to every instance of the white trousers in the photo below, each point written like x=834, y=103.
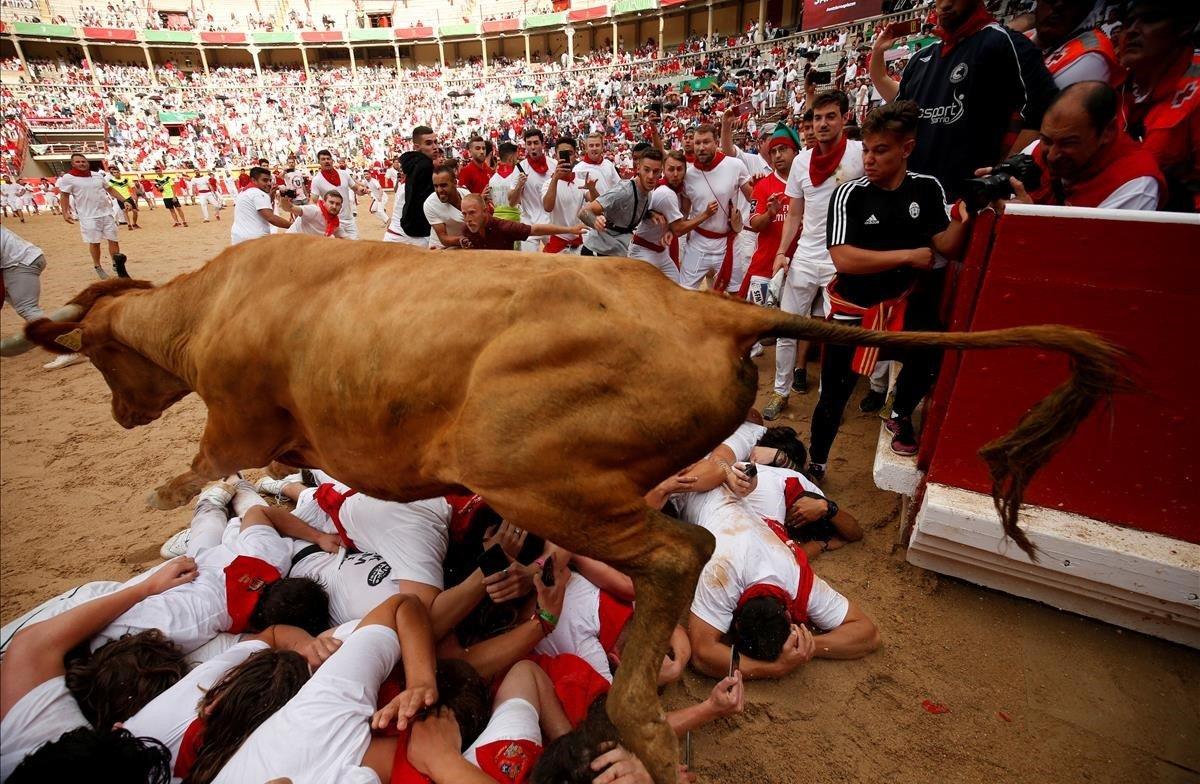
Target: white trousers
x=803, y=294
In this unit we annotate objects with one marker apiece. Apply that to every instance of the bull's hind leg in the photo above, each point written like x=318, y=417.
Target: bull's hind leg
x=228, y=445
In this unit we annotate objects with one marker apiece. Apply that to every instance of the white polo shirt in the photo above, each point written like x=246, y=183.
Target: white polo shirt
x=248, y=224
x=604, y=174
x=812, y=248
x=91, y=199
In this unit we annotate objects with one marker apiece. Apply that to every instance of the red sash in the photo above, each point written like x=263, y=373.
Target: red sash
x=244, y=580
x=1123, y=161
x=887, y=315
x=798, y=606
x=508, y=761
x=403, y=771
x=576, y=684
x=557, y=244
x=647, y=244
x=726, y=271
x=614, y=615
x=330, y=501
x=189, y=747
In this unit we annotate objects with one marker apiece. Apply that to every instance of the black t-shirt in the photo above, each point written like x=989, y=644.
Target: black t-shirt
x=868, y=217
x=418, y=184
x=974, y=101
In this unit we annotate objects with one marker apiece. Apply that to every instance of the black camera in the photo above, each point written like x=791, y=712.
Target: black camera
x=982, y=191
x=289, y=193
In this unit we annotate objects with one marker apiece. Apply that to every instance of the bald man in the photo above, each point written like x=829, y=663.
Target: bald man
x=1085, y=158
x=482, y=230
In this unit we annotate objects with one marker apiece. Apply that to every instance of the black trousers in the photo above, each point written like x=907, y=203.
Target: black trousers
x=916, y=380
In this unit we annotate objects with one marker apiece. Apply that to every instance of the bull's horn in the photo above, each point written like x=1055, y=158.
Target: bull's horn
x=15, y=345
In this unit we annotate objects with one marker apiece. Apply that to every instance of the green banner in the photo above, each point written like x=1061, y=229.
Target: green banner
x=703, y=83
x=545, y=20
x=281, y=37
x=453, y=30
x=169, y=36
x=176, y=118
x=373, y=34
x=366, y=107
x=536, y=100
x=629, y=6
x=47, y=30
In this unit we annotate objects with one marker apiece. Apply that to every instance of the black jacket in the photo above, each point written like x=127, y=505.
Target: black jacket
x=418, y=185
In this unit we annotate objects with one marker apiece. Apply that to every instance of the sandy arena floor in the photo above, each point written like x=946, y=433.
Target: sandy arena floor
x=1034, y=695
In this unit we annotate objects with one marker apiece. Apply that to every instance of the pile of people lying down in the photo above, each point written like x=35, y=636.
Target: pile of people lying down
x=329, y=636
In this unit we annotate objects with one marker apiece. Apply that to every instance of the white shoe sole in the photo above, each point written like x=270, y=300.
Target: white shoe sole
x=176, y=544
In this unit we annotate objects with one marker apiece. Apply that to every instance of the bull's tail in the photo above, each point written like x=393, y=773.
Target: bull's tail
x=1097, y=370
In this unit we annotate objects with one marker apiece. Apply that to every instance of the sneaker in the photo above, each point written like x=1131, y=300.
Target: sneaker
x=119, y=260
x=904, y=438
x=872, y=401
x=800, y=381
x=64, y=360
x=176, y=545
x=816, y=472
x=756, y=350
x=100, y=273
x=219, y=493
x=274, y=487
x=774, y=406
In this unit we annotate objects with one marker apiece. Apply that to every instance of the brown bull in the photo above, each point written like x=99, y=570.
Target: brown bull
x=559, y=389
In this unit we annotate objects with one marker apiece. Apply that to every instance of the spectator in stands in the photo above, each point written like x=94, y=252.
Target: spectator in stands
x=982, y=90
x=1075, y=48
x=1162, y=93
x=1086, y=159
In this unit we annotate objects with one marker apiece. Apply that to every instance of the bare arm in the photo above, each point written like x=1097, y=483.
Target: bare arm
x=588, y=213
x=951, y=242
x=762, y=220
x=273, y=219
x=684, y=225
x=64, y=205
x=727, y=133
x=605, y=577
x=445, y=237
x=791, y=227
x=514, y=193
x=711, y=657
x=550, y=197
x=855, y=638
x=887, y=87
x=549, y=229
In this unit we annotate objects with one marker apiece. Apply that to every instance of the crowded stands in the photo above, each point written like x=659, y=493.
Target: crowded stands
x=301, y=628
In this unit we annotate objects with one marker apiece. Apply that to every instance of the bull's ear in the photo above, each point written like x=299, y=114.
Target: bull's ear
x=58, y=337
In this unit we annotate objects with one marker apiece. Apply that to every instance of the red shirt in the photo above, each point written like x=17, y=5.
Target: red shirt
x=499, y=234
x=768, y=238
x=474, y=177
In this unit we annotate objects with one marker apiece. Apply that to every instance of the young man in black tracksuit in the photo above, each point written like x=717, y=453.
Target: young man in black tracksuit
x=417, y=165
x=882, y=231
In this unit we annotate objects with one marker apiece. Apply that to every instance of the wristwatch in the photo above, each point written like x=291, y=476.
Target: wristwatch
x=832, y=511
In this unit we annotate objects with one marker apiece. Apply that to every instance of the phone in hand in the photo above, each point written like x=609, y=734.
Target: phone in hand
x=735, y=660
x=902, y=29
x=821, y=77
x=492, y=561
x=564, y=156
x=751, y=470
x=548, y=571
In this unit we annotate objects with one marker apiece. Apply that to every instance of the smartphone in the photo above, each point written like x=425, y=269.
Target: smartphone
x=821, y=77
x=564, y=155
x=735, y=660
x=548, y=571
x=687, y=749
x=743, y=108
x=493, y=560
x=751, y=470
x=902, y=29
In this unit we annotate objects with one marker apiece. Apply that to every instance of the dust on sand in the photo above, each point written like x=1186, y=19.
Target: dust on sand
x=1034, y=695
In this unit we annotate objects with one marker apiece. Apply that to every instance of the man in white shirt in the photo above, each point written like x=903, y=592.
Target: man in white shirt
x=296, y=179
x=11, y=194
x=443, y=209
x=93, y=207
x=507, y=184
x=595, y=167
x=714, y=177
x=816, y=172
x=536, y=169
x=205, y=186
x=253, y=214
x=651, y=240
x=22, y=264
x=320, y=219
x=757, y=167
x=328, y=178
x=563, y=195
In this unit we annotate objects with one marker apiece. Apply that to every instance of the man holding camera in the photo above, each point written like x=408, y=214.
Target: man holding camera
x=1083, y=158
x=317, y=220
x=882, y=231
x=563, y=196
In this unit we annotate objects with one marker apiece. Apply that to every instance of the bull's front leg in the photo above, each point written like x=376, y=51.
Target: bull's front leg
x=664, y=578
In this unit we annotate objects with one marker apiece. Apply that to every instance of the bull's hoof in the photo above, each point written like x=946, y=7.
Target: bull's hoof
x=162, y=501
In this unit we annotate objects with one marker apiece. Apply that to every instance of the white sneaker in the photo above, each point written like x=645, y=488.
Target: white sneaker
x=219, y=493
x=176, y=545
x=275, y=486
x=756, y=350
x=64, y=360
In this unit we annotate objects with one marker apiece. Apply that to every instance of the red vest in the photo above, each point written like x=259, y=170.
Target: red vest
x=1086, y=43
x=1124, y=160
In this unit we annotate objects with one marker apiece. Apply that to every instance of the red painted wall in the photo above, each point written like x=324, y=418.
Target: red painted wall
x=223, y=38
x=109, y=34
x=1136, y=463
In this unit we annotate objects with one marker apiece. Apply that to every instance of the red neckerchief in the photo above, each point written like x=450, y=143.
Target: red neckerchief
x=505, y=169
x=1124, y=160
x=568, y=178
x=975, y=21
x=330, y=501
x=332, y=177
x=463, y=509
x=716, y=161
x=798, y=606
x=596, y=162
x=331, y=221
x=403, y=771
x=245, y=580
x=541, y=164
x=822, y=165
x=690, y=157
x=87, y=176
x=189, y=748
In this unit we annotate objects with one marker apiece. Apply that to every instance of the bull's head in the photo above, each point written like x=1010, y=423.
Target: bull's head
x=141, y=390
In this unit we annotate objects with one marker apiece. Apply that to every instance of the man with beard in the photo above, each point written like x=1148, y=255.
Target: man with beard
x=714, y=177
x=1085, y=158
x=535, y=168
x=443, y=209
x=1075, y=48
x=329, y=178
x=475, y=173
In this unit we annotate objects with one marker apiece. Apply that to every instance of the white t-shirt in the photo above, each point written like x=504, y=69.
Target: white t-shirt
x=411, y=537
x=356, y=582
x=665, y=202
x=311, y=221
x=604, y=174
x=747, y=553
x=11, y=192
x=394, y=226
x=167, y=716
x=531, y=197
x=812, y=248
x=91, y=199
x=248, y=224
x=578, y=630
x=321, y=186
x=15, y=251
x=500, y=186
x=43, y=715
x=322, y=733
x=567, y=202
x=192, y=614
x=294, y=179
x=768, y=498
x=438, y=212
x=720, y=185
x=513, y=719
x=744, y=439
